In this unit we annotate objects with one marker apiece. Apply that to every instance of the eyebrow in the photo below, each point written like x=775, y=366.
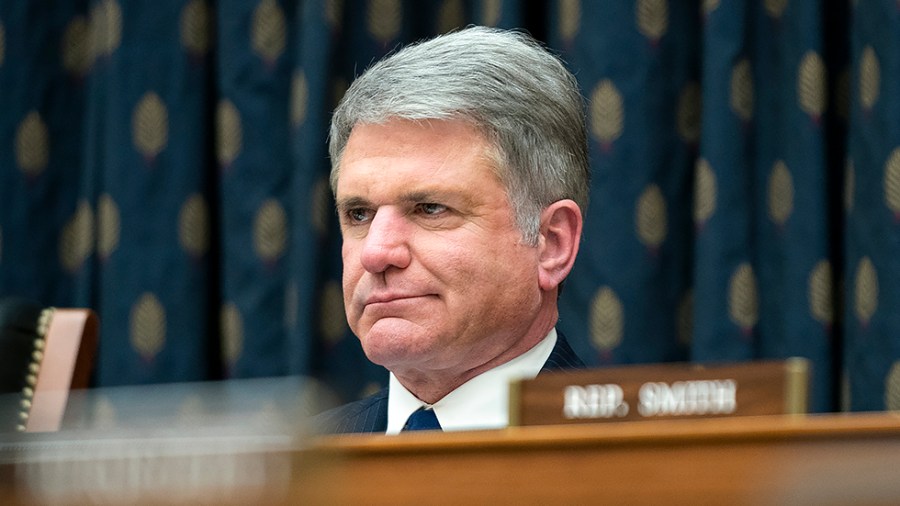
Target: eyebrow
x=420, y=196
x=407, y=198
x=350, y=203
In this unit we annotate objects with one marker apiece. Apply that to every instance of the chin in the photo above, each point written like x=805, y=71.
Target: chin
x=388, y=357
x=391, y=348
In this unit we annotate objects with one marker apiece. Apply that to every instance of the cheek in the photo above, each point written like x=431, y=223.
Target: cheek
x=496, y=270
x=350, y=278
x=512, y=278
x=352, y=267
x=347, y=250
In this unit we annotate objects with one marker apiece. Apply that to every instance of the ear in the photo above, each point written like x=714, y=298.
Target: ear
x=561, y=224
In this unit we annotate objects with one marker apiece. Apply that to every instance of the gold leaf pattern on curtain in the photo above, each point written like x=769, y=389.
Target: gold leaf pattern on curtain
x=334, y=13
x=229, y=133
x=849, y=184
x=150, y=125
x=892, y=183
x=76, y=47
x=865, y=291
x=232, y=328
x=87, y=100
x=450, y=16
x=821, y=290
x=299, y=98
x=869, y=78
x=892, y=388
x=742, y=90
x=193, y=226
x=384, y=19
x=333, y=321
x=607, y=112
x=743, y=298
x=32, y=145
x=268, y=31
x=195, y=27
x=148, y=326
x=106, y=29
x=490, y=12
x=569, y=18
x=650, y=217
x=607, y=319
x=775, y=8
x=76, y=240
x=108, y=226
x=705, y=192
x=709, y=6
x=321, y=207
x=653, y=18
x=690, y=110
x=811, y=85
x=685, y=318
x=270, y=231
x=781, y=193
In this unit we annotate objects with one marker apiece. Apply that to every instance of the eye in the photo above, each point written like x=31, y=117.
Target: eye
x=357, y=215
x=431, y=209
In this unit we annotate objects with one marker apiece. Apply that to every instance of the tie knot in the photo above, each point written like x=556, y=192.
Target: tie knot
x=422, y=419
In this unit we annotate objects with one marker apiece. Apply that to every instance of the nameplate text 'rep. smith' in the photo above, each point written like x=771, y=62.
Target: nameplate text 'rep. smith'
x=663, y=391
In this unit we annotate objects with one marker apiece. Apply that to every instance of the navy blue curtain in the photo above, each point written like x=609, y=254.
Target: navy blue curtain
x=165, y=163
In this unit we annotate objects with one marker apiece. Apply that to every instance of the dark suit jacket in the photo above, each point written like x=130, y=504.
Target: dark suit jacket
x=370, y=414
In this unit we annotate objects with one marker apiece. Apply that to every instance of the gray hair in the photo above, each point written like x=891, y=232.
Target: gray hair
x=520, y=96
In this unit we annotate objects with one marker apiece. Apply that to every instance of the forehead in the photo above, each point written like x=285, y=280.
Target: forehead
x=422, y=153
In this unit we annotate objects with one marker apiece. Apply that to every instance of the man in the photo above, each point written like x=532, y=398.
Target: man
x=460, y=171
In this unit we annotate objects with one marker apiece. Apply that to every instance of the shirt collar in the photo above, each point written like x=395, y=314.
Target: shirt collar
x=480, y=403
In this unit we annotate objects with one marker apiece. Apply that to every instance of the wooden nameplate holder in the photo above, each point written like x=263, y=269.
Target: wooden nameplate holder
x=662, y=391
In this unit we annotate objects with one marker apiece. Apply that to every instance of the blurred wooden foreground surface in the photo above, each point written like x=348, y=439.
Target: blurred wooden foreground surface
x=815, y=459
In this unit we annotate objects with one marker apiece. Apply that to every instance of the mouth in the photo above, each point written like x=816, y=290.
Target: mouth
x=390, y=298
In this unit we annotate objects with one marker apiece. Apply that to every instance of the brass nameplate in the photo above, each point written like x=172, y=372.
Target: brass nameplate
x=661, y=391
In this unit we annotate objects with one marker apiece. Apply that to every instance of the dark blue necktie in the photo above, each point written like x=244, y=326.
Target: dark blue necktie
x=422, y=419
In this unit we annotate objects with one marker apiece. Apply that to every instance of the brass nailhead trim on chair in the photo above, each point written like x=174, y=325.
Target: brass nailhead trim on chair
x=34, y=367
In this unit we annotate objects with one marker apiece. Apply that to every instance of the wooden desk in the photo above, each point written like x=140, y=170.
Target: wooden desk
x=766, y=460
x=834, y=459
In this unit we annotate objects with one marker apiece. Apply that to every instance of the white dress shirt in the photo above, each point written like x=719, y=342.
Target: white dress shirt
x=480, y=403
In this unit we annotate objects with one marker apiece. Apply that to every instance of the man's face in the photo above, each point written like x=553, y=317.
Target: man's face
x=436, y=275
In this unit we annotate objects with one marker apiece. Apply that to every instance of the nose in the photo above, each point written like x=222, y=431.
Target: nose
x=386, y=243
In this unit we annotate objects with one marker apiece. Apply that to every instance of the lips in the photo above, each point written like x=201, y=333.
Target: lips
x=387, y=298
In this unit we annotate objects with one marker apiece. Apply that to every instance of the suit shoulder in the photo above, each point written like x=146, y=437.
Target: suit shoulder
x=563, y=356
x=364, y=415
